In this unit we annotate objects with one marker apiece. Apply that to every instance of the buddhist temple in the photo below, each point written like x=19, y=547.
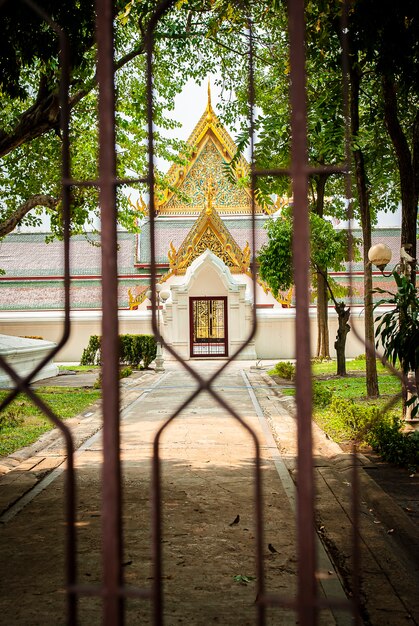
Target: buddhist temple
x=203, y=253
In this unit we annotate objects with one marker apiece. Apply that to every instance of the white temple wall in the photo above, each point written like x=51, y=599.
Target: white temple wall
x=275, y=335
x=274, y=338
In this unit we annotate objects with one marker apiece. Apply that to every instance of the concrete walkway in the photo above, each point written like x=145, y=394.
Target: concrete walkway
x=208, y=512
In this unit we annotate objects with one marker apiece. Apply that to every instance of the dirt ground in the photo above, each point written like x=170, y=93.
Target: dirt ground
x=208, y=509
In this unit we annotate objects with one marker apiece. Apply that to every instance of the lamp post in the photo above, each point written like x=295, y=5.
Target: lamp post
x=380, y=255
x=161, y=297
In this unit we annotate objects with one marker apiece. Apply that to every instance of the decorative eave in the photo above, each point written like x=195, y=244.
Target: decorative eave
x=209, y=232
x=208, y=127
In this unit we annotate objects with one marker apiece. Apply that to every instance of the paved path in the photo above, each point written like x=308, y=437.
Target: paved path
x=207, y=485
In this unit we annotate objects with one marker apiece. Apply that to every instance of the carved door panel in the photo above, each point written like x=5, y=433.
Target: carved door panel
x=208, y=326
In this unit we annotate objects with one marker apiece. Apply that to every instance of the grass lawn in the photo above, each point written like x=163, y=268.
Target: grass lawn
x=22, y=422
x=350, y=388
x=78, y=368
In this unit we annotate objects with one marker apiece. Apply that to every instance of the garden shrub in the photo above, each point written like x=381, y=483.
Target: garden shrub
x=133, y=349
x=393, y=445
x=383, y=433
x=124, y=372
x=91, y=355
x=284, y=369
x=358, y=418
x=322, y=395
x=149, y=349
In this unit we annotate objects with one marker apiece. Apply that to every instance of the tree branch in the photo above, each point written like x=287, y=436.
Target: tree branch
x=9, y=224
x=394, y=128
x=43, y=115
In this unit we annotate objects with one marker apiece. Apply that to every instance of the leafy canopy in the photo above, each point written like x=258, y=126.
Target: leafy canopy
x=328, y=249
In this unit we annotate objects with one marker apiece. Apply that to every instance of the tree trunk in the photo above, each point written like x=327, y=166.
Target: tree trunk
x=322, y=318
x=408, y=164
x=363, y=199
x=323, y=350
x=340, y=343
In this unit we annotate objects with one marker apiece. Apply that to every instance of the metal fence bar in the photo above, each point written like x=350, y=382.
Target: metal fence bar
x=307, y=613
x=113, y=591
x=111, y=473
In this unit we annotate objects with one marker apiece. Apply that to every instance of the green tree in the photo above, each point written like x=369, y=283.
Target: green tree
x=328, y=250
x=387, y=34
x=29, y=121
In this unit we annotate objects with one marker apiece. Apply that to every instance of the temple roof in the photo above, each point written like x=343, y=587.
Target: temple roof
x=209, y=233
x=175, y=230
x=212, y=149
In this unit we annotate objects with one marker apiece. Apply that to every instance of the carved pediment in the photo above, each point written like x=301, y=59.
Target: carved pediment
x=209, y=233
x=211, y=146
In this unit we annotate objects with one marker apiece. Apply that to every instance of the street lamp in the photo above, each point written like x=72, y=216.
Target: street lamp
x=380, y=256
x=161, y=297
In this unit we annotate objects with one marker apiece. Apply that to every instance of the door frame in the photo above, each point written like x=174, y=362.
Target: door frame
x=192, y=299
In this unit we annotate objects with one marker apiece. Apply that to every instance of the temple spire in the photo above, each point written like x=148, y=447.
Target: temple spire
x=209, y=105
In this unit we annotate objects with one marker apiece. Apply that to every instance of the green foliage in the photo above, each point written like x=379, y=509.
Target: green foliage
x=243, y=580
x=328, y=249
x=324, y=366
x=29, y=76
x=393, y=445
x=124, y=372
x=398, y=329
x=344, y=416
x=149, y=349
x=358, y=418
x=284, y=369
x=275, y=257
x=11, y=417
x=322, y=395
x=77, y=368
x=91, y=354
x=133, y=349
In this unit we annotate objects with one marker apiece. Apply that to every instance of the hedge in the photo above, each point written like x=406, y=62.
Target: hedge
x=134, y=350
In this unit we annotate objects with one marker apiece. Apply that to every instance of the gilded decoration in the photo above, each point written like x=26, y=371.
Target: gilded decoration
x=211, y=146
x=209, y=233
x=209, y=164
x=136, y=297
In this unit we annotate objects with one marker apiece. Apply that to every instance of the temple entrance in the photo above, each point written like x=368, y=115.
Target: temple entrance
x=208, y=326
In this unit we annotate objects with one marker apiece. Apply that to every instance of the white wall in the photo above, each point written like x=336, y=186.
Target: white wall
x=275, y=335
x=274, y=338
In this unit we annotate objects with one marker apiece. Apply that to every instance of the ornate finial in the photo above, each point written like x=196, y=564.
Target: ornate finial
x=210, y=193
x=139, y=205
x=209, y=105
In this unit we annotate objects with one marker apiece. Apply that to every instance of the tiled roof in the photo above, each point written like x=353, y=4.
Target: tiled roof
x=27, y=254
x=176, y=230
x=49, y=294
